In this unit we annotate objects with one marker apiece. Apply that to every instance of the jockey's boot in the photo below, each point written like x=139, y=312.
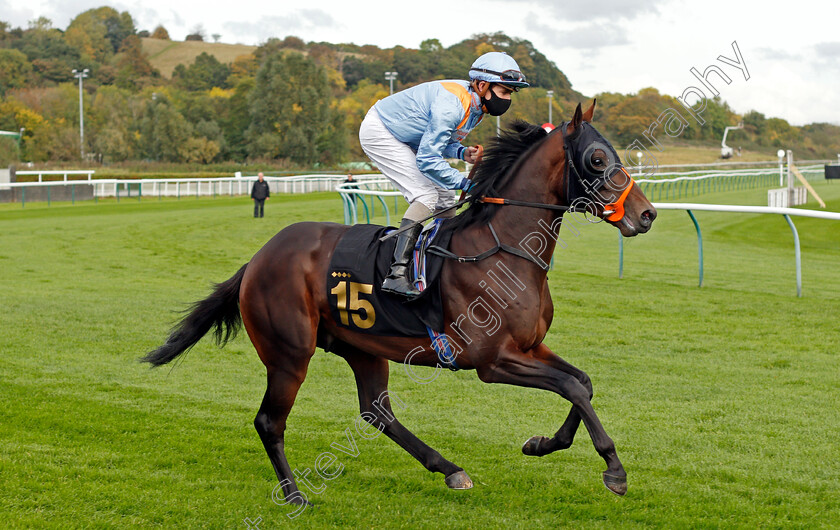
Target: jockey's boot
x=398, y=281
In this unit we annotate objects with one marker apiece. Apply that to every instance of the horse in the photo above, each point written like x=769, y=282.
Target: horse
x=527, y=181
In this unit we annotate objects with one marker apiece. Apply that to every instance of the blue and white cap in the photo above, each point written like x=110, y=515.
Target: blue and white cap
x=498, y=67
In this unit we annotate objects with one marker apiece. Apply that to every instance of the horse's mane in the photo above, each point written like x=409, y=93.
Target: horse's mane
x=502, y=158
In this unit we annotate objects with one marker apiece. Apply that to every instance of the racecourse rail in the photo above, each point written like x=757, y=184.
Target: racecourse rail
x=697, y=181
x=369, y=190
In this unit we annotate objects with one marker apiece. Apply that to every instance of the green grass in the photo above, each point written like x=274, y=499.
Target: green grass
x=723, y=401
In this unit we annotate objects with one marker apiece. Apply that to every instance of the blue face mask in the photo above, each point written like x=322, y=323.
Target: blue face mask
x=494, y=105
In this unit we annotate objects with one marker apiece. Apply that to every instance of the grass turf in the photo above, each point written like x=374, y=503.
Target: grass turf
x=722, y=401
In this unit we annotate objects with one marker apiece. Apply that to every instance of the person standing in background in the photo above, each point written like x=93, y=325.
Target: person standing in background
x=259, y=193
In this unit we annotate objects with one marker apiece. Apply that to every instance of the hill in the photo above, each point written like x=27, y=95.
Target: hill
x=165, y=55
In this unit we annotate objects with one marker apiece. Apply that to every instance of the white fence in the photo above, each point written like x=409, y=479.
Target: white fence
x=84, y=172
x=87, y=188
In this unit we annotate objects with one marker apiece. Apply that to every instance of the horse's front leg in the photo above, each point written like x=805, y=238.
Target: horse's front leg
x=524, y=369
x=563, y=438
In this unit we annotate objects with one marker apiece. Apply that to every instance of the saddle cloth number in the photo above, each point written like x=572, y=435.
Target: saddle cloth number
x=350, y=305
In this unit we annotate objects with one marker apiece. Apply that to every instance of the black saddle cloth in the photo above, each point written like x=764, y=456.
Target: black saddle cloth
x=358, y=266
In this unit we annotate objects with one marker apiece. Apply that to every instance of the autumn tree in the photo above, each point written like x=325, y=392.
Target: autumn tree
x=205, y=73
x=15, y=69
x=292, y=112
x=99, y=33
x=133, y=69
x=51, y=57
x=160, y=33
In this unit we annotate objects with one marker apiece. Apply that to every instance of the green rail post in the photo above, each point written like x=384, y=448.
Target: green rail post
x=797, y=255
x=23, y=197
x=347, y=209
x=72, y=194
x=48, y=195
x=620, y=256
x=367, y=211
x=699, y=246
x=385, y=207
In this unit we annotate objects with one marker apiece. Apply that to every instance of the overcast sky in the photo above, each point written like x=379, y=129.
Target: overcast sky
x=791, y=49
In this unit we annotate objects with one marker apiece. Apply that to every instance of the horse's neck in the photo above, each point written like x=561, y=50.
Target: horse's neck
x=531, y=229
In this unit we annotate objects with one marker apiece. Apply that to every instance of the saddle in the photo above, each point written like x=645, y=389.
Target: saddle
x=357, y=269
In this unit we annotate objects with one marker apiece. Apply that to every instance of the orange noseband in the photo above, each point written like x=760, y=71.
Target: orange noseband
x=615, y=210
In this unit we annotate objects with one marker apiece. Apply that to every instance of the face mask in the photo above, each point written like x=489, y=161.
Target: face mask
x=495, y=105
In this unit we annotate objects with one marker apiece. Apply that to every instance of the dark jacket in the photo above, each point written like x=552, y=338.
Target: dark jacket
x=260, y=190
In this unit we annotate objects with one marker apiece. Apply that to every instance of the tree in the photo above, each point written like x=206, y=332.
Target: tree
x=241, y=67
x=295, y=43
x=14, y=69
x=755, y=124
x=197, y=34
x=112, y=121
x=51, y=56
x=292, y=115
x=160, y=33
x=133, y=66
x=234, y=118
x=163, y=132
x=99, y=33
x=355, y=106
x=205, y=73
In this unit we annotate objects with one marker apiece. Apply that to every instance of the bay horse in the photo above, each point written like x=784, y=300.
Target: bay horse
x=527, y=180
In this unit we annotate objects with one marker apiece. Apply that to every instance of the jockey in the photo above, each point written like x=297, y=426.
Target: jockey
x=408, y=135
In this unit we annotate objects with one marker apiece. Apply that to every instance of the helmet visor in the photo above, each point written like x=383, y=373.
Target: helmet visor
x=508, y=76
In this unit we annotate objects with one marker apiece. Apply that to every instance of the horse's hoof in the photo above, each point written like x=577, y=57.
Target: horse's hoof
x=532, y=446
x=459, y=481
x=615, y=483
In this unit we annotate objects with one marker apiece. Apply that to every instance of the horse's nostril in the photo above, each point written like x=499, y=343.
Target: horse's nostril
x=648, y=216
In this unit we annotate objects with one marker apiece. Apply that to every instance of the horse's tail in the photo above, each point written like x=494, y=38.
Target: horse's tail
x=220, y=309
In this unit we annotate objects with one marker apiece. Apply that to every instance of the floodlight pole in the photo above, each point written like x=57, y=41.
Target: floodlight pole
x=550, y=95
x=81, y=75
x=390, y=76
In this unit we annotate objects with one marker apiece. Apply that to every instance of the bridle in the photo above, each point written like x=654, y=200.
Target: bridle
x=612, y=212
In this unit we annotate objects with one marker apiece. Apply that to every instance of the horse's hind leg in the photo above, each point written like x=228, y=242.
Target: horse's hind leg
x=270, y=423
x=375, y=404
x=286, y=352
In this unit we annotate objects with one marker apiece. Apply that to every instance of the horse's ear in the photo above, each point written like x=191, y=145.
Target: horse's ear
x=576, y=120
x=590, y=112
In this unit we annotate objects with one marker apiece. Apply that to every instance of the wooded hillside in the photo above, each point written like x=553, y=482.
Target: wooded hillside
x=287, y=101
